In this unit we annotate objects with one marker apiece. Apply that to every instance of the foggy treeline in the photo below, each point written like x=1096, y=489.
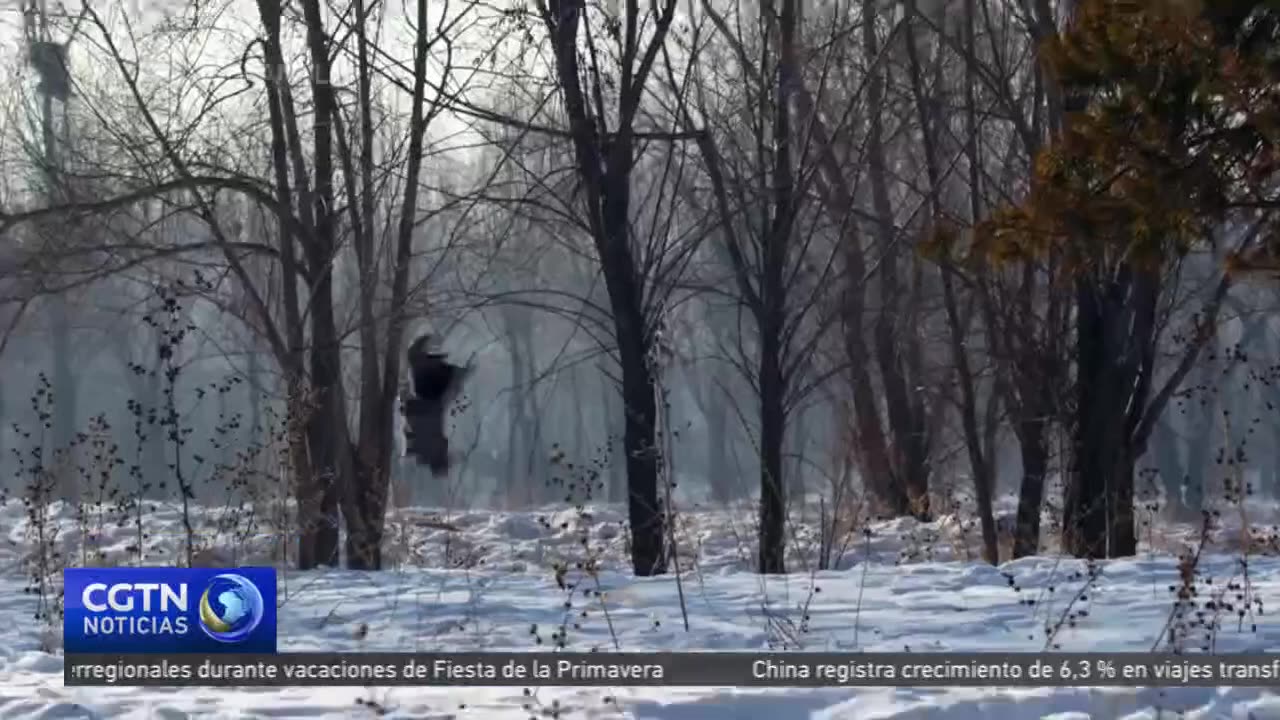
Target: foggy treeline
x=700, y=252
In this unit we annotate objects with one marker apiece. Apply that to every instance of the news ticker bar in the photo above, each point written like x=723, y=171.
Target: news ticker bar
x=731, y=669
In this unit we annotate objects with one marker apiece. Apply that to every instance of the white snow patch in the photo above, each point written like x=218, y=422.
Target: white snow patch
x=490, y=584
x=521, y=527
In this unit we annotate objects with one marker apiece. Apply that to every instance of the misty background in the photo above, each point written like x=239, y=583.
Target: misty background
x=133, y=345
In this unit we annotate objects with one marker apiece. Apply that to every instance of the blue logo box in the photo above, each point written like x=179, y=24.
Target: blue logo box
x=169, y=610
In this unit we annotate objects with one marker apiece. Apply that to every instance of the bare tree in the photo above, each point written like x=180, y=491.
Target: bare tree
x=342, y=476
x=604, y=141
x=780, y=254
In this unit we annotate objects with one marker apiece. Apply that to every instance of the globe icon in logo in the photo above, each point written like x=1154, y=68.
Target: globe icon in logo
x=230, y=608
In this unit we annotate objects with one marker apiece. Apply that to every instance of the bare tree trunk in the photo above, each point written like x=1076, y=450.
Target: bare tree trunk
x=645, y=513
x=1033, y=442
x=771, y=312
x=973, y=440
x=1114, y=359
x=869, y=444
x=327, y=433
x=909, y=459
x=284, y=138
x=327, y=439
x=796, y=487
x=365, y=499
x=365, y=504
x=605, y=161
x=290, y=360
x=1029, y=340
x=773, y=426
x=65, y=390
x=1084, y=494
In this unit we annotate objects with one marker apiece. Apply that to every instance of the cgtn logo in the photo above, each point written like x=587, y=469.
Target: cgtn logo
x=175, y=610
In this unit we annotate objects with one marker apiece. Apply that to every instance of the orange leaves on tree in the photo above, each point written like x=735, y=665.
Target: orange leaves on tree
x=1180, y=126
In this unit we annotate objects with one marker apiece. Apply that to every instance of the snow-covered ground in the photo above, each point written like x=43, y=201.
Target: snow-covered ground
x=492, y=584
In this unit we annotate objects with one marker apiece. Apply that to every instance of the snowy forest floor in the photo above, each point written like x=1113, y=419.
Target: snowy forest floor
x=491, y=583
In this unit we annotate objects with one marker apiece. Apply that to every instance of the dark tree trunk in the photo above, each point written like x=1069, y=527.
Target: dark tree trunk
x=771, y=313
x=1031, y=334
x=907, y=454
x=326, y=427
x=1033, y=441
x=639, y=441
x=1114, y=359
x=640, y=437
x=605, y=162
x=1093, y=435
x=365, y=502
x=870, y=444
x=917, y=473
x=364, y=505
x=319, y=537
x=639, y=406
x=797, y=445
x=773, y=423
x=872, y=452
x=286, y=153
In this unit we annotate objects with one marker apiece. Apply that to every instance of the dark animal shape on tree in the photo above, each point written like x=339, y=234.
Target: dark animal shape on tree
x=435, y=384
